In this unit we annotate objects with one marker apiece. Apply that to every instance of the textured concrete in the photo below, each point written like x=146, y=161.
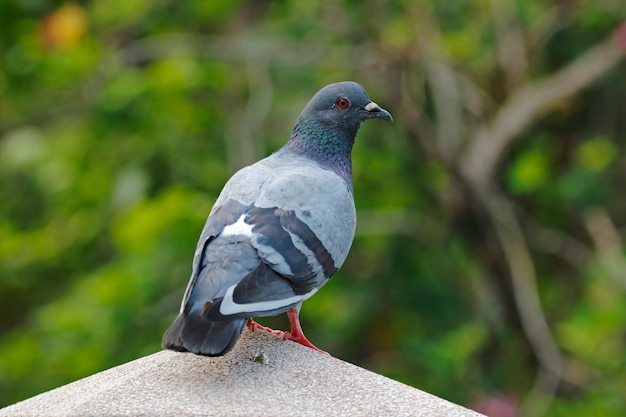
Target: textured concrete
x=262, y=376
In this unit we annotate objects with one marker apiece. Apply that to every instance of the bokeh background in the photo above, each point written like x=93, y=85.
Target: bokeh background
x=489, y=265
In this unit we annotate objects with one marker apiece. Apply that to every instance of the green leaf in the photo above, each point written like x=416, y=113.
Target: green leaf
x=529, y=171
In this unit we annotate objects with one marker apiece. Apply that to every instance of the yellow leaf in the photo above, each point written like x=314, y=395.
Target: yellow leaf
x=596, y=154
x=65, y=27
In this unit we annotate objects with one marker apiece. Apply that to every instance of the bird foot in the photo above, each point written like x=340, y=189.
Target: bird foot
x=296, y=334
x=254, y=326
x=301, y=339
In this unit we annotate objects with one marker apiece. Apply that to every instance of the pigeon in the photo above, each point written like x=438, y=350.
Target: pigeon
x=279, y=230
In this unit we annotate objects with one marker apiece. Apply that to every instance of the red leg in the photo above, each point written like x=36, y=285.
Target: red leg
x=254, y=326
x=296, y=334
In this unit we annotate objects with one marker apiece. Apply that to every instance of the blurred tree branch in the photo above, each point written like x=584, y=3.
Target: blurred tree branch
x=528, y=102
x=608, y=245
x=510, y=43
x=243, y=144
x=239, y=48
x=526, y=295
x=558, y=243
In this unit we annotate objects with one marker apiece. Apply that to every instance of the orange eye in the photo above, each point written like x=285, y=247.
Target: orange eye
x=343, y=103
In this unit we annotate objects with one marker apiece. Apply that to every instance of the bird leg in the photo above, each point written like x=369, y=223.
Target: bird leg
x=296, y=334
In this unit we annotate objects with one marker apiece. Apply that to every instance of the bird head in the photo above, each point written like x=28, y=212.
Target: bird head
x=343, y=105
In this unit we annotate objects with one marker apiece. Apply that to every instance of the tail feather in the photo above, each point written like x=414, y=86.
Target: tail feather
x=192, y=333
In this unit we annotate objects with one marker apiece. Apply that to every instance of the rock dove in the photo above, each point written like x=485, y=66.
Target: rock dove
x=278, y=231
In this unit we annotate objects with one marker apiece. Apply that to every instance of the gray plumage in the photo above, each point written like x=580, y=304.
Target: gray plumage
x=279, y=229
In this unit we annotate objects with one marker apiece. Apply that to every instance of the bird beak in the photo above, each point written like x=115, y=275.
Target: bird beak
x=374, y=110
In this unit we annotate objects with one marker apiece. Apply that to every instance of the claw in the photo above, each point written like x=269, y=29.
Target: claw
x=254, y=326
x=296, y=334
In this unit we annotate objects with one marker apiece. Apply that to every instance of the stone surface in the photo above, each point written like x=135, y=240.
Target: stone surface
x=262, y=376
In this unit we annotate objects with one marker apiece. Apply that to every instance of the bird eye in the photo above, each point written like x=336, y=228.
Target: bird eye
x=343, y=103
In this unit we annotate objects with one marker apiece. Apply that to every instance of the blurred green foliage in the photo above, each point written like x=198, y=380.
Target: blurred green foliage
x=120, y=121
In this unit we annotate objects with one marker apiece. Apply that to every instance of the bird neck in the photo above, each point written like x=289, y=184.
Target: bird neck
x=330, y=147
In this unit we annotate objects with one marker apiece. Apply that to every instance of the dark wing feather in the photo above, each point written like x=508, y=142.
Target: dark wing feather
x=191, y=333
x=262, y=285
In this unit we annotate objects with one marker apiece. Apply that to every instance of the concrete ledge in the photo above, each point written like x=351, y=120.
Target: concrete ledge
x=262, y=376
